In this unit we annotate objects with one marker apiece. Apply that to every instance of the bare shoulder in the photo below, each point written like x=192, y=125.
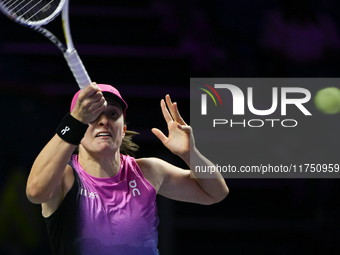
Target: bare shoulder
x=152, y=170
x=66, y=183
x=149, y=163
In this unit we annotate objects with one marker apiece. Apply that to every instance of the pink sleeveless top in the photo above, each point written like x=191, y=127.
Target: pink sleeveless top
x=115, y=215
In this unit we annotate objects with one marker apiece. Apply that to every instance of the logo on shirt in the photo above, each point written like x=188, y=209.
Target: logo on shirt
x=87, y=193
x=133, y=185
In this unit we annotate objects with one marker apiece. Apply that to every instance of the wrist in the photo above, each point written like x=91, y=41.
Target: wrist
x=71, y=130
x=78, y=118
x=186, y=157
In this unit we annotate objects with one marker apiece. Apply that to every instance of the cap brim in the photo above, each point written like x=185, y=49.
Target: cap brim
x=117, y=98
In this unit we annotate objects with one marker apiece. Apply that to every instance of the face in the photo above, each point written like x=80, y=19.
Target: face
x=105, y=134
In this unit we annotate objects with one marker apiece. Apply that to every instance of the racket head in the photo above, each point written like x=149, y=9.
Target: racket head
x=33, y=13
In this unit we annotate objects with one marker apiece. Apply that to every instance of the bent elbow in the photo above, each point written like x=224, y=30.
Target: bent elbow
x=221, y=196
x=34, y=195
x=224, y=194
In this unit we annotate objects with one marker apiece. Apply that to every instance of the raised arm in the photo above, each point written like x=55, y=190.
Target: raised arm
x=182, y=184
x=51, y=177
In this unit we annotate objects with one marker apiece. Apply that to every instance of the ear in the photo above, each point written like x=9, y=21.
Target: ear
x=124, y=131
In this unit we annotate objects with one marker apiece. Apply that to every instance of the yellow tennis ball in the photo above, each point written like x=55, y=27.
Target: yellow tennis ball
x=327, y=100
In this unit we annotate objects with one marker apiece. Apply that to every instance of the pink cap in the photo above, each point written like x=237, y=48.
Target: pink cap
x=108, y=91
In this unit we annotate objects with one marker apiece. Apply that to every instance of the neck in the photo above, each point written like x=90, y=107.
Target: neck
x=100, y=166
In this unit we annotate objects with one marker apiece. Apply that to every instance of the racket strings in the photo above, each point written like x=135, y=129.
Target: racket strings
x=9, y=2
x=30, y=10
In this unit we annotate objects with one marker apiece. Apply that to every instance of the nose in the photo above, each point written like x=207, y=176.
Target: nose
x=103, y=120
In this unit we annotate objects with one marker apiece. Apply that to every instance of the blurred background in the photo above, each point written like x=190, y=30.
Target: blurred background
x=148, y=48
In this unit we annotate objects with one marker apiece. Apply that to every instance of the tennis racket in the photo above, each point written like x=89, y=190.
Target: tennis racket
x=34, y=14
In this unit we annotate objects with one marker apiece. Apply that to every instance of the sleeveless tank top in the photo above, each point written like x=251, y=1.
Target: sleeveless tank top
x=114, y=215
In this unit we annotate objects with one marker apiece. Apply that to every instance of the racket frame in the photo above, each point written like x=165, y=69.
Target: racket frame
x=69, y=52
x=30, y=23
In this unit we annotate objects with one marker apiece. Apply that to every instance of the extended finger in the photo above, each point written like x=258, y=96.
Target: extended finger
x=185, y=128
x=165, y=112
x=170, y=105
x=177, y=116
x=159, y=134
x=174, y=111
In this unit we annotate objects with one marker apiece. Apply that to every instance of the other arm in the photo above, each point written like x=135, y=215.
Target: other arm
x=174, y=182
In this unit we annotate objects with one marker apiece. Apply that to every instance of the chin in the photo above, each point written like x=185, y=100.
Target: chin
x=107, y=148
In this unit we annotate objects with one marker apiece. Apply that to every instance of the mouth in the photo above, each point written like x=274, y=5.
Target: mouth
x=103, y=134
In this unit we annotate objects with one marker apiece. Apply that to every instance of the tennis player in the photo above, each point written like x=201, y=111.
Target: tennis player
x=101, y=201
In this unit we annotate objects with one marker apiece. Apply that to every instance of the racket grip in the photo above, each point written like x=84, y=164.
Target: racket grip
x=78, y=69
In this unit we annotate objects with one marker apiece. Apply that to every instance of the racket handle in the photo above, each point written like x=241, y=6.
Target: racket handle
x=78, y=69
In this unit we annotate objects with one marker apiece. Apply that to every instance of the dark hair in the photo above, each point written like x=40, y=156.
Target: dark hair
x=127, y=147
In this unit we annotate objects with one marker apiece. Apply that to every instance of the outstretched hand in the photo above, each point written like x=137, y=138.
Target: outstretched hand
x=180, y=139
